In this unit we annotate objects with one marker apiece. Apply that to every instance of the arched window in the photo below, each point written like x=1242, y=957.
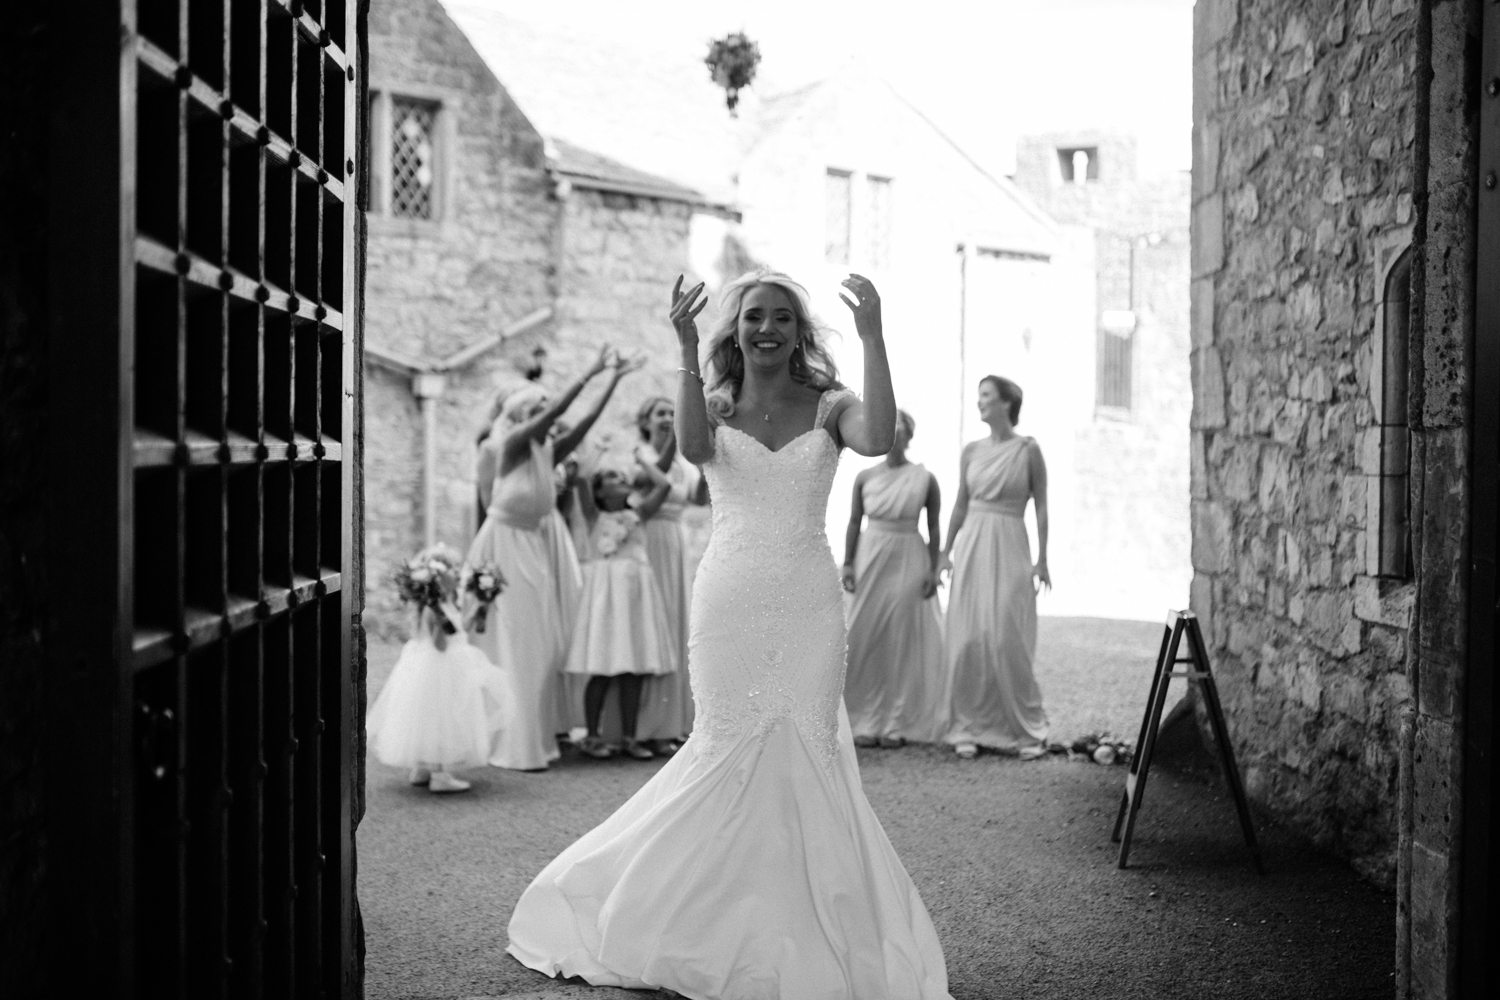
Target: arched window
x=1390, y=556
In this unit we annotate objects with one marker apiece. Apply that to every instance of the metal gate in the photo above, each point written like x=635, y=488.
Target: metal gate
x=238, y=164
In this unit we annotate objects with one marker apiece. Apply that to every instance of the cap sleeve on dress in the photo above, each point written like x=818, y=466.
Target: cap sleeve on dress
x=829, y=401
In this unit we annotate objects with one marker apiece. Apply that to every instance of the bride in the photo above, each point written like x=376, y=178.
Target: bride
x=751, y=865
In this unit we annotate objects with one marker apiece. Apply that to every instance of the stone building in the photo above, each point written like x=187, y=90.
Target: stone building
x=1129, y=515
x=975, y=276
x=493, y=250
x=1343, y=437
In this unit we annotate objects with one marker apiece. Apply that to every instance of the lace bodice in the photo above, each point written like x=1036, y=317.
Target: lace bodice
x=768, y=638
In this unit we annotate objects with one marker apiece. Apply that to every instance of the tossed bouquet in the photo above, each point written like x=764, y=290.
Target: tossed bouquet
x=429, y=580
x=483, y=583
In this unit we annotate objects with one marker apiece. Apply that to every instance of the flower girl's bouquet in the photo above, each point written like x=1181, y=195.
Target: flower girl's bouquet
x=429, y=580
x=483, y=584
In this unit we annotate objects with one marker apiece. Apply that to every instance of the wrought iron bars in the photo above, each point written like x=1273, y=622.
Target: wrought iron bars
x=242, y=178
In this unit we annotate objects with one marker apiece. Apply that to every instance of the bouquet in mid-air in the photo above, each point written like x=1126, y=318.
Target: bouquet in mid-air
x=430, y=580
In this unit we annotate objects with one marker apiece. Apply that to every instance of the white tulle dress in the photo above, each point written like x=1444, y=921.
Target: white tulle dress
x=751, y=867
x=992, y=694
x=439, y=708
x=895, y=683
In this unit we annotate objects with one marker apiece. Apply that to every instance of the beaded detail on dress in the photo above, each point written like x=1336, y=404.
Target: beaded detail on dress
x=768, y=641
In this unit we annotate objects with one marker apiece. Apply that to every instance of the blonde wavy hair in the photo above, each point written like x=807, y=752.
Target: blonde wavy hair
x=810, y=364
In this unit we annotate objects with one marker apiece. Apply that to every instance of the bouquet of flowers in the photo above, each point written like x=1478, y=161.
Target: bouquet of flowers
x=484, y=584
x=429, y=580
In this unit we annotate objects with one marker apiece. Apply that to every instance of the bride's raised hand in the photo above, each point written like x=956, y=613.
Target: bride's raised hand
x=864, y=302
x=685, y=309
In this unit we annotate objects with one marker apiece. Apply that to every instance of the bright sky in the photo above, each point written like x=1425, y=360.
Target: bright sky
x=984, y=70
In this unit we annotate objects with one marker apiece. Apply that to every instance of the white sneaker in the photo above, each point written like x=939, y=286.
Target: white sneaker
x=420, y=776
x=442, y=781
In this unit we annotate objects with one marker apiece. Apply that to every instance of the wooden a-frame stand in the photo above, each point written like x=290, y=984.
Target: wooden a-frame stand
x=1184, y=626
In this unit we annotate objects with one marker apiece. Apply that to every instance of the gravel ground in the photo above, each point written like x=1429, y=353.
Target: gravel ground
x=1013, y=860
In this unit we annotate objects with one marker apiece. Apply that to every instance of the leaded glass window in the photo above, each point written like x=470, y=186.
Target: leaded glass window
x=413, y=158
x=838, y=190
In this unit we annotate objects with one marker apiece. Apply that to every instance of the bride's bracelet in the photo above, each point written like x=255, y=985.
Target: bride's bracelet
x=689, y=371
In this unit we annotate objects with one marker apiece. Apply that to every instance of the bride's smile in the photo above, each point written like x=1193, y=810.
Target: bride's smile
x=768, y=327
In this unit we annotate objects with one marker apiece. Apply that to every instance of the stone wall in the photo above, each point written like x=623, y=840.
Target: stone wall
x=23, y=414
x=1304, y=130
x=435, y=287
x=621, y=255
x=508, y=240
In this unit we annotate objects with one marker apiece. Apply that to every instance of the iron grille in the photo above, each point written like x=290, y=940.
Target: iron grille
x=837, y=192
x=1116, y=360
x=412, y=158
x=239, y=525
x=879, y=189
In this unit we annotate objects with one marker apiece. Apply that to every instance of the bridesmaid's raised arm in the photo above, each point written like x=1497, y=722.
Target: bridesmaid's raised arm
x=868, y=426
x=518, y=441
x=694, y=438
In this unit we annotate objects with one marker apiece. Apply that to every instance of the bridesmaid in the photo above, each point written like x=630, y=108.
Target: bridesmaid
x=526, y=634
x=992, y=695
x=667, y=702
x=894, y=687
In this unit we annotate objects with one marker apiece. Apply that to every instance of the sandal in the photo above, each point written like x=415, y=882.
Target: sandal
x=442, y=781
x=968, y=751
x=596, y=748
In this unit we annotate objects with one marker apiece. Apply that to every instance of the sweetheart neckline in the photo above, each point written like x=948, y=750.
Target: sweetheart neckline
x=776, y=451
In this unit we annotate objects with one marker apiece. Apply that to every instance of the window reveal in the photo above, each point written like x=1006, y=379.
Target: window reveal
x=838, y=192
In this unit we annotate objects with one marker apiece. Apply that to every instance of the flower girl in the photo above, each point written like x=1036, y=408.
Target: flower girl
x=623, y=634
x=440, y=707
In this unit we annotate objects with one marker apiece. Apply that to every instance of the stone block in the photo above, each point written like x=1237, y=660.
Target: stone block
x=1207, y=226
x=1434, y=783
x=1213, y=21
x=1201, y=602
x=1432, y=889
x=1198, y=467
x=1213, y=537
x=1206, y=146
x=1201, y=297
x=1385, y=602
x=1208, y=389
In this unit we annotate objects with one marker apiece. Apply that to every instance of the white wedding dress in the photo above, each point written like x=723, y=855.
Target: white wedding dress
x=751, y=867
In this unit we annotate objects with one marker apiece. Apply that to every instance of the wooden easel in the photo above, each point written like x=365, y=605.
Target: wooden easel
x=1184, y=626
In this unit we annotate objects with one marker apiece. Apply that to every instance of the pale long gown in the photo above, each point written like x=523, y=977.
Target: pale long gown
x=667, y=701
x=750, y=867
x=525, y=634
x=895, y=682
x=992, y=695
